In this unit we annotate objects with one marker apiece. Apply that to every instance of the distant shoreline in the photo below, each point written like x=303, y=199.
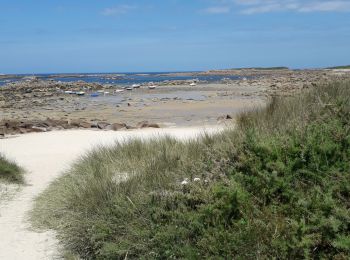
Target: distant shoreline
x=76, y=74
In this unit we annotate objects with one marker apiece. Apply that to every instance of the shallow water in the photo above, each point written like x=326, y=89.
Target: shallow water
x=116, y=99
x=187, y=95
x=123, y=79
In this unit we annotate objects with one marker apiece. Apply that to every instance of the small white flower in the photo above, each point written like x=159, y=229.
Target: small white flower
x=185, y=182
x=196, y=179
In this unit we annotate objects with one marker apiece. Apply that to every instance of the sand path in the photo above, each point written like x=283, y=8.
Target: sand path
x=45, y=156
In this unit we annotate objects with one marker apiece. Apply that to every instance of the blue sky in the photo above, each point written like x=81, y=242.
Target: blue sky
x=43, y=36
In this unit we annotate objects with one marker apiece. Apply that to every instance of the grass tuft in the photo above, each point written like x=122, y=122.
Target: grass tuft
x=276, y=186
x=10, y=171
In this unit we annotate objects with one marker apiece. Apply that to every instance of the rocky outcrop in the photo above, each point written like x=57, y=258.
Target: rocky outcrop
x=11, y=127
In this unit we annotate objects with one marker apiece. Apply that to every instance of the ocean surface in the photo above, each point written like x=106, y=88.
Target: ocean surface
x=119, y=78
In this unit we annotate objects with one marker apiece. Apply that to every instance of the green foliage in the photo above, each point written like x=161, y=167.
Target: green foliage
x=10, y=171
x=277, y=186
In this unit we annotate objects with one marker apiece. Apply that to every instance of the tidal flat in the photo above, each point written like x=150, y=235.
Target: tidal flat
x=37, y=104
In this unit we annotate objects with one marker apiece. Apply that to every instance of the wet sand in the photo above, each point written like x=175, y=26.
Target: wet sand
x=181, y=105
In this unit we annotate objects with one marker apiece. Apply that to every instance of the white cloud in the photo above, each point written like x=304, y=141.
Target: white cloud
x=117, y=10
x=217, y=10
x=328, y=6
x=267, y=6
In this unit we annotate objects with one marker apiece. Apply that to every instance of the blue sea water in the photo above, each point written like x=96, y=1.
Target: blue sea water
x=124, y=78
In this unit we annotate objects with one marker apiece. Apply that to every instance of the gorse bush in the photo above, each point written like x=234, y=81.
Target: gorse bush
x=276, y=186
x=10, y=171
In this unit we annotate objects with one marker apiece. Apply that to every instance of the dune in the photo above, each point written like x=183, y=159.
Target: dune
x=45, y=156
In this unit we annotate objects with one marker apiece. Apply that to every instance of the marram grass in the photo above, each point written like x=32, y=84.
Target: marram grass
x=276, y=186
x=9, y=171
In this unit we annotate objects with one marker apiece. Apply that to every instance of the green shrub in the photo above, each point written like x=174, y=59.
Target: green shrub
x=276, y=186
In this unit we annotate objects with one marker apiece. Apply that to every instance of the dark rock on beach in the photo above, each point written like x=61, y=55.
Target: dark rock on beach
x=102, y=125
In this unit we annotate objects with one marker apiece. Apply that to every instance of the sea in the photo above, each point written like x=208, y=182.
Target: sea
x=121, y=78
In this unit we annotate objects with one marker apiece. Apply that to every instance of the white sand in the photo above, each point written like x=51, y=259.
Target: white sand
x=45, y=156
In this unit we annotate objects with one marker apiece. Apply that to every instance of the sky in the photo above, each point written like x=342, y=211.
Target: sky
x=73, y=36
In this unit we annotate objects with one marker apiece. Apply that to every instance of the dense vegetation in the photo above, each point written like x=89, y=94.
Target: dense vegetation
x=10, y=171
x=277, y=186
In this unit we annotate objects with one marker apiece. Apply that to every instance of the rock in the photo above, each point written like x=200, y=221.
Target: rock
x=37, y=129
x=23, y=130
x=11, y=131
x=102, y=125
x=42, y=124
x=75, y=122
x=117, y=126
x=85, y=125
x=142, y=124
x=11, y=124
x=59, y=127
x=226, y=117
x=26, y=125
x=153, y=125
x=51, y=122
x=2, y=131
x=145, y=124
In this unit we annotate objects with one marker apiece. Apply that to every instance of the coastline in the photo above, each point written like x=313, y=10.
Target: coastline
x=36, y=105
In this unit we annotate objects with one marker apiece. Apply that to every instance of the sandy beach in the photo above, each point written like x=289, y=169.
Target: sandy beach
x=45, y=156
x=216, y=129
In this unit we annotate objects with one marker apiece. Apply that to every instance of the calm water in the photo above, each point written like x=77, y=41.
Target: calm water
x=124, y=78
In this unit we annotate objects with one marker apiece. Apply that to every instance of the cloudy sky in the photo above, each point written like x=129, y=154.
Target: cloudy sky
x=41, y=36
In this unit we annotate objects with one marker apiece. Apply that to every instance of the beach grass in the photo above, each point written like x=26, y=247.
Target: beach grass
x=275, y=186
x=9, y=171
